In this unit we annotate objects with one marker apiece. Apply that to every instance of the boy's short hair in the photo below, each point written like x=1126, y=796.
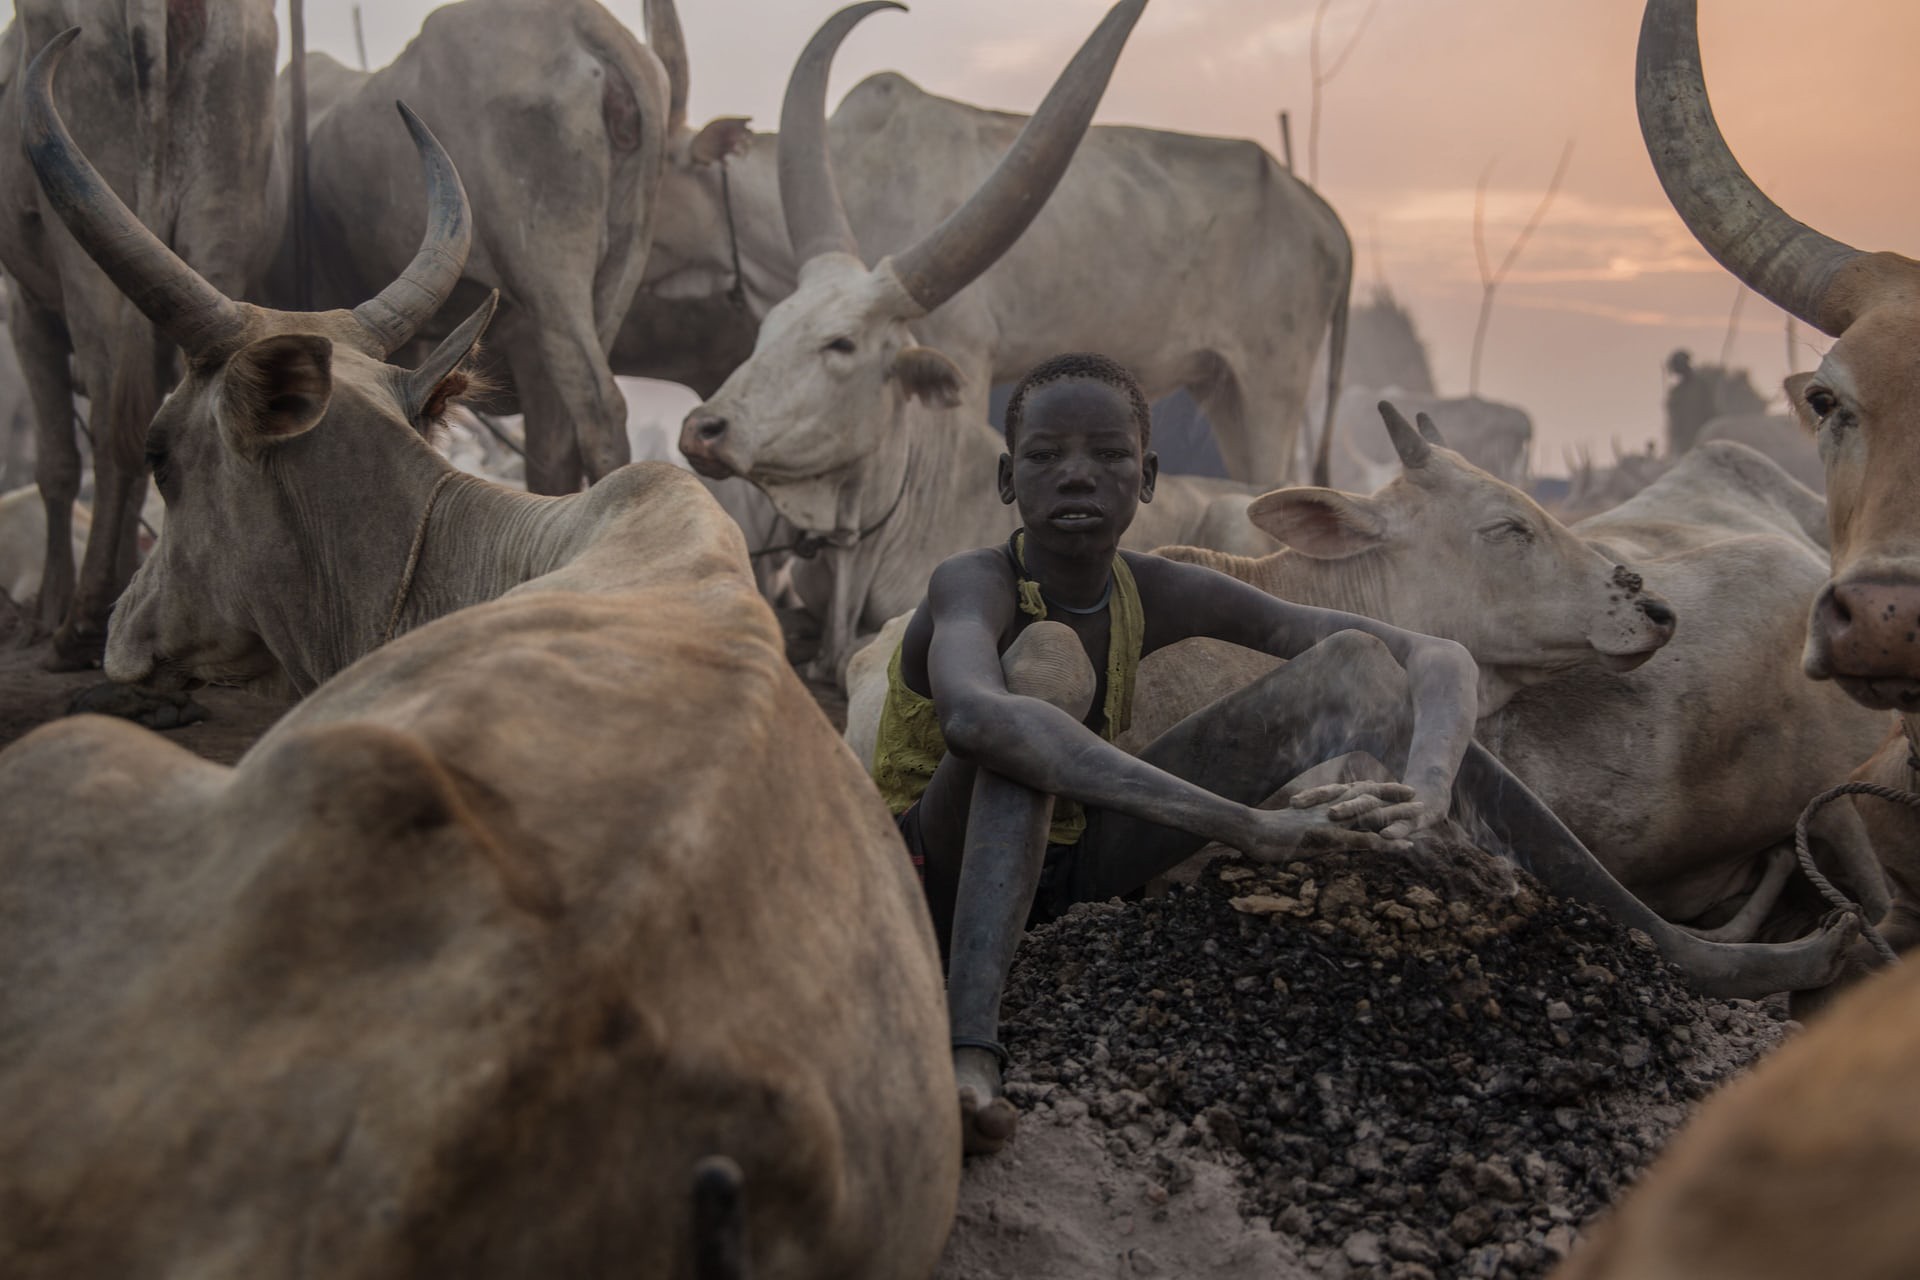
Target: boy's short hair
x=1090, y=367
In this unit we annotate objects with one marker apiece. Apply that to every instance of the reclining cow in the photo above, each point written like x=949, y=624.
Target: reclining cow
x=857, y=433
x=472, y=961
x=1862, y=406
x=1196, y=262
x=557, y=118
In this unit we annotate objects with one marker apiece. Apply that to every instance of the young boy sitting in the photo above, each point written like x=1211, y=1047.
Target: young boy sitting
x=1016, y=673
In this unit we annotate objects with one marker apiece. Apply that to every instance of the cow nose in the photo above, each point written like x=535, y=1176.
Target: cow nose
x=1658, y=612
x=701, y=433
x=1871, y=628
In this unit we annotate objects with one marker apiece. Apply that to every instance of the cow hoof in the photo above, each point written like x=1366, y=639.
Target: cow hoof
x=151, y=707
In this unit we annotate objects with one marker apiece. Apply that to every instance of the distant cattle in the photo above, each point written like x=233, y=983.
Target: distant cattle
x=1198, y=263
x=557, y=117
x=519, y=945
x=143, y=80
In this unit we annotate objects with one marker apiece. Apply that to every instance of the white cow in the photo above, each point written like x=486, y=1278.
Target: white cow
x=905, y=476
x=1196, y=262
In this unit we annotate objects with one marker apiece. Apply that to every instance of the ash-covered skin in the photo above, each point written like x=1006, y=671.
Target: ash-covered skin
x=1428, y=1067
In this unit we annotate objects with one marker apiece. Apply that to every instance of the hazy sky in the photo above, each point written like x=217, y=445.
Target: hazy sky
x=1819, y=102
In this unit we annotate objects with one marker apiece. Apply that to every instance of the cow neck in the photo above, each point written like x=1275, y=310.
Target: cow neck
x=481, y=541
x=1354, y=584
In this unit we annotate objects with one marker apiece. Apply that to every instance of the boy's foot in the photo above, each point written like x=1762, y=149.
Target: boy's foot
x=987, y=1118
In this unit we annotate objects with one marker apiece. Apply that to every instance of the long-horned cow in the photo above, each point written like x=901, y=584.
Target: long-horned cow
x=143, y=77
x=1862, y=406
x=557, y=117
x=1195, y=262
x=470, y=966
x=848, y=424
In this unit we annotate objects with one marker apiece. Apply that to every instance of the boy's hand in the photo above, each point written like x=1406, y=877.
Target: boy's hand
x=1275, y=835
x=1387, y=807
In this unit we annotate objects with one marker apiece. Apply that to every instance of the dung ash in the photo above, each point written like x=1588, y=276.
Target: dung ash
x=1420, y=1064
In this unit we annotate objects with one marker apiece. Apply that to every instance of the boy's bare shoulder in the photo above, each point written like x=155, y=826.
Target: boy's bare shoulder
x=967, y=571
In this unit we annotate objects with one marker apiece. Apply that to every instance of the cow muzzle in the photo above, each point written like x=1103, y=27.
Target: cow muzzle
x=703, y=437
x=1635, y=628
x=1864, y=634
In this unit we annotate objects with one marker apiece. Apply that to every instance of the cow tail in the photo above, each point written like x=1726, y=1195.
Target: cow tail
x=1336, y=364
x=719, y=1221
x=633, y=108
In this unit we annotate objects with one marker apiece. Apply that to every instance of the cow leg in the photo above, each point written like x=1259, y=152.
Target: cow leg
x=1745, y=924
x=40, y=343
x=983, y=869
x=1221, y=397
x=119, y=419
x=576, y=416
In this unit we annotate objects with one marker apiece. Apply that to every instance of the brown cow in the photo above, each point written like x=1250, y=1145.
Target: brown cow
x=477, y=956
x=1862, y=405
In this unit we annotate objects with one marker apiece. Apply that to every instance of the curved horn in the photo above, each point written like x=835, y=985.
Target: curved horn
x=1428, y=431
x=1412, y=447
x=975, y=235
x=662, y=22
x=178, y=299
x=816, y=220
x=409, y=302
x=1785, y=261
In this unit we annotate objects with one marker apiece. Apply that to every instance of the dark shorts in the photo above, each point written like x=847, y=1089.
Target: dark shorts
x=1050, y=901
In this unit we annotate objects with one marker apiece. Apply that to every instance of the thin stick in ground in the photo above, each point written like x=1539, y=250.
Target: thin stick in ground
x=1490, y=276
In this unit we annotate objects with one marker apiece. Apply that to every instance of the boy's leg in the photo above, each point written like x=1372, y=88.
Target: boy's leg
x=1348, y=694
x=994, y=878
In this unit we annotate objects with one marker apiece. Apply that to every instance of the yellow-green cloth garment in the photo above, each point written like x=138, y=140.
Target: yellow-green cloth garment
x=910, y=746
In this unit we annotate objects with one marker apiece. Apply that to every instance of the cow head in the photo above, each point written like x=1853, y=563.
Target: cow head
x=1862, y=404
x=1463, y=555
x=282, y=451
x=835, y=365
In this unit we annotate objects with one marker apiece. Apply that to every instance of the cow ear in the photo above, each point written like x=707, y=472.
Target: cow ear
x=928, y=375
x=440, y=380
x=719, y=138
x=1796, y=387
x=275, y=389
x=1323, y=523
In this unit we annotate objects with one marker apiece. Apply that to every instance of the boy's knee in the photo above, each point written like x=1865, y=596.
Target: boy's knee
x=1046, y=661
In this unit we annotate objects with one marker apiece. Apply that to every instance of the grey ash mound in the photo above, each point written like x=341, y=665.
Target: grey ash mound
x=1419, y=1066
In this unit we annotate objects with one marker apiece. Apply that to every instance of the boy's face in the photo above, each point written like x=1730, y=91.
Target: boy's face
x=1077, y=469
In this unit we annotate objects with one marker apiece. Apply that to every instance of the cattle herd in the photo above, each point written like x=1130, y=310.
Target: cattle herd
x=552, y=931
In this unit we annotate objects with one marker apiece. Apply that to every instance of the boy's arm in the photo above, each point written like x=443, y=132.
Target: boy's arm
x=1443, y=679
x=1041, y=746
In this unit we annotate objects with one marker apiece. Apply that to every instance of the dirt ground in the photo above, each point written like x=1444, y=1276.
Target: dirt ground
x=1358, y=1070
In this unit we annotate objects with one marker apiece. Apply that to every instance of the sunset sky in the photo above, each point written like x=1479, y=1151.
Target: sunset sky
x=1818, y=102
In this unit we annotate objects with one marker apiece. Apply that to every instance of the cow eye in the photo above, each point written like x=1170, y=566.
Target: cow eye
x=843, y=346
x=1511, y=529
x=1822, y=401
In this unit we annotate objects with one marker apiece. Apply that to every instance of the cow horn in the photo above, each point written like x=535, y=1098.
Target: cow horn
x=1785, y=261
x=662, y=22
x=409, y=302
x=975, y=235
x=816, y=220
x=175, y=297
x=1429, y=431
x=1412, y=447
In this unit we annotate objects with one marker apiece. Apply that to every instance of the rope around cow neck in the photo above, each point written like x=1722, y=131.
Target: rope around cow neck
x=808, y=545
x=413, y=555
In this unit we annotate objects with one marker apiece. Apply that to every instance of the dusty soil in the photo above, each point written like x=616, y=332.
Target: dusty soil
x=1403, y=1068
x=31, y=696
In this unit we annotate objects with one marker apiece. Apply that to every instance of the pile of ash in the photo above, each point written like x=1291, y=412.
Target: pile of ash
x=1421, y=1065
